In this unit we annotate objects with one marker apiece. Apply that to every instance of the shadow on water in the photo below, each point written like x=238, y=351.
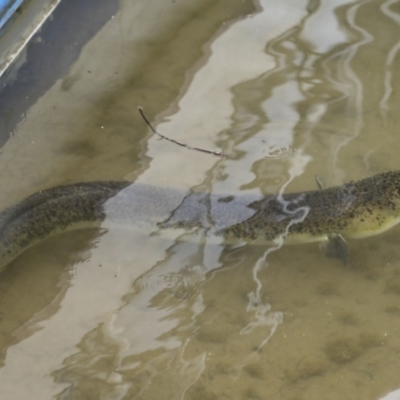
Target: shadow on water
x=48, y=57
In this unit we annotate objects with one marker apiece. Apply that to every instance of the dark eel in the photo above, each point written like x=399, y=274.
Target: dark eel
x=354, y=210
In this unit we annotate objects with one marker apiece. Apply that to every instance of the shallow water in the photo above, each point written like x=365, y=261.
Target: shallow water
x=287, y=90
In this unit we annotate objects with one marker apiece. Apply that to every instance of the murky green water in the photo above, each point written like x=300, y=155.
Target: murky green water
x=288, y=90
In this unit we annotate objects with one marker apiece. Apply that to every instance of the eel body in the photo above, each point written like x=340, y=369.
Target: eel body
x=354, y=210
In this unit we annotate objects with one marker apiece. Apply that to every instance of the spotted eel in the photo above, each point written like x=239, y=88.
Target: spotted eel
x=354, y=210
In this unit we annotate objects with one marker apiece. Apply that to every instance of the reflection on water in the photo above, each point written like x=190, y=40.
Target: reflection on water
x=288, y=90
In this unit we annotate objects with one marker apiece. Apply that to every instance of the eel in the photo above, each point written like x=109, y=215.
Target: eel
x=353, y=210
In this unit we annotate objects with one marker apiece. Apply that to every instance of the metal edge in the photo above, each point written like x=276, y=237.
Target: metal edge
x=33, y=15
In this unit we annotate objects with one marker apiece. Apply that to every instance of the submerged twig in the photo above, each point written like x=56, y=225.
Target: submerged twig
x=215, y=153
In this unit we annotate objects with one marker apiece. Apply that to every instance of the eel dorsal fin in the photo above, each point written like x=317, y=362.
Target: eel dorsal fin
x=320, y=182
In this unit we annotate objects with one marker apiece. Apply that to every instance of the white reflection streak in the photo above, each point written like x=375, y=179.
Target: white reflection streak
x=194, y=367
x=212, y=86
x=262, y=318
x=84, y=306
x=238, y=55
x=367, y=38
x=391, y=56
x=395, y=395
x=282, y=117
x=356, y=95
x=274, y=320
x=352, y=76
x=326, y=28
x=261, y=311
x=324, y=44
x=255, y=301
x=278, y=110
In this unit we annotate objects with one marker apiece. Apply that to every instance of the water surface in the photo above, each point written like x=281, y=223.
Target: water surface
x=287, y=90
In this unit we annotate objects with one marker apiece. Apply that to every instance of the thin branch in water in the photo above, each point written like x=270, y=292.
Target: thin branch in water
x=215, y=153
